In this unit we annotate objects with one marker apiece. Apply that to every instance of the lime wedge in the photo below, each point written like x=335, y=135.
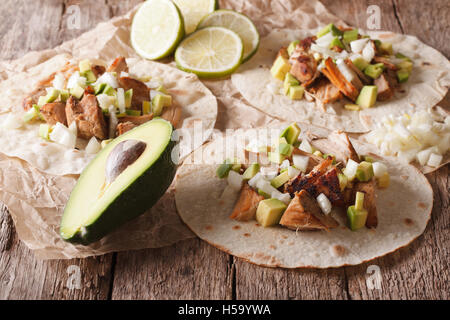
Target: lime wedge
x=194, y=10
x=237, y=22
x=210, y=52
x=157, y=29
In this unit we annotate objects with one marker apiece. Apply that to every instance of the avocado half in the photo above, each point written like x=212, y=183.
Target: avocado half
x=123, y=181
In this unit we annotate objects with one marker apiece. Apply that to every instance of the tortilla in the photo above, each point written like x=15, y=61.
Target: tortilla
x=426, y=86
x=403, y=212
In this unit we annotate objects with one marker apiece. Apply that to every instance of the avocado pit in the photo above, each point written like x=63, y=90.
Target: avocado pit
x=123, y=155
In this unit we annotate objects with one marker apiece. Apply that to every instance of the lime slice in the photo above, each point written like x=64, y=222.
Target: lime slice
x=210, y=52
x=157, y=29
x=237, y=22
x=194, y=10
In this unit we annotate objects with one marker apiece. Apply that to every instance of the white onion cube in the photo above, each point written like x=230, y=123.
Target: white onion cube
x=300, y=162
x=305, y=146
x=324, y=203
x=435, y=160
x=293, y=172
x=93, y=146
x=379, y=169
x=235, y=180
x=350, y=169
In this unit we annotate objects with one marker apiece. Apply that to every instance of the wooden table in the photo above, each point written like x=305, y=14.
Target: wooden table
x=193, y=269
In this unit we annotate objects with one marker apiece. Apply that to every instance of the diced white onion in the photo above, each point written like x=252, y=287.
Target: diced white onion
x=235, y=180
x=348, y=74
x=350, y=169
x=76, y=80
x=424, y=155
x=266, y=187
x=368, y=52
x=154, y=93
x=268, y=173
x=113, y=122
x=124, y=74
x=58, y=82
x=12, y=121
x=358, y=45
x=305, y=146
x=73, y=128
x=285, y=164
x=121, y=100
x=324, y=51
x=292, y=172
x=379, y=169
x=284, y=197
x=62, y=135
x=324, y=203
x=435, y=160
x=105, y=101
x=300, y=162
x=253, y=181
x=93, y=146
x=325, y=40
x=109, y=79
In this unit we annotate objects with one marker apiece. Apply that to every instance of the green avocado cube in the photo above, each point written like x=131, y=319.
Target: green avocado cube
x=279, y=180
x=223, y=170
x=251, y=171
x=360, y=63
x=291, y=133
x=405, y=65
x=159, y=102
x=146, y=107
x=89, y=75
x=292, y=46
x=365, y=171
x=32, y=114
x=402, y=56
x=386, y=48
x=367, y=97
x=269, y=212
x=109, y=90
x=374, y=70
x=262, y=193
x=64, y=95
x=275, y=157
x=289, y=80
x=51, y=96
x=285, y=149
x=350, y=35
x=296, y=92
x=84, y=65
x=359, y=200
x=77, y=92
x=336, y=42
x=402, y=76
x=99, y=88
x=236, y=167
x=280, y=67
x=162, y=89
x=356, y=218
x=44, y=131
x=128, y=98
x=134, y=113
x=343, y=181
x=331, y=27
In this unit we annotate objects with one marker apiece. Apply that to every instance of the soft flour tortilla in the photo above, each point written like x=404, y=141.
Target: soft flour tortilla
x=196, y=101
x=403, y=212
x=427, y=85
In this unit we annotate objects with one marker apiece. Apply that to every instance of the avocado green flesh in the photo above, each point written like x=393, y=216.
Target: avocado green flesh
x=95, y=209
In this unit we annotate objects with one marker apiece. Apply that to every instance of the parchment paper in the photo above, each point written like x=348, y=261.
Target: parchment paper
x=36, y=200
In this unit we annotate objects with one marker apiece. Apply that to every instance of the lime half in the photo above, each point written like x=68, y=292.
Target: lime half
x=194, y=10
x=237, y=22
x=157, y=29
x=210, y=52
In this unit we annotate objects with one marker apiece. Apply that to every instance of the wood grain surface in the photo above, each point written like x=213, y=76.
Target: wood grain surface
x=192, y=269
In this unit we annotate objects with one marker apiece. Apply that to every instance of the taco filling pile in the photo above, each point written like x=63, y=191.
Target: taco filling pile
x=340, y=63
x=95, y=103
x=295, y=185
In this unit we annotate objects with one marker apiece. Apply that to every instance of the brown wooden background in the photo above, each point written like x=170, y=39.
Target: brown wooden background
x=193, y=269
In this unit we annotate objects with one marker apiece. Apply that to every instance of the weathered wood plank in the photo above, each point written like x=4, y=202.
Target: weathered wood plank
x=190, y=269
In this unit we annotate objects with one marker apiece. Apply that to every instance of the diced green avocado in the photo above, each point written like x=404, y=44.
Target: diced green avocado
x=123, y=181
x=110, y=91
x=236, y=167
x=359, y=200
x=51, y=96
x=369, y=159
x=364, y=172
x=296, y=92
x=343, y=181
x=146, y=107
x=89, y=75
x=159, y=102
x=128, y=98
x=77, y=92
x=405, y=65
x=285, y=149
x=336, y=42
x=402, y=56
x=367, y=97
x=331, y=27
x=318, y=153
x=223, y=170
x=251, y=171
x=269, y=212
x=350, y=35
x=84, y=65
x=99, y=88
x=360, y=63
x=262, y=193
x=279, y=180
x=280, y=67
x=64, y=95
x=356, y=218
x=289, y=80
x=377, y=43
x=374, y=70
x=32, y=114
x=44, y=131
x=134, y=113
x=162, y=89
x=291, y=133
x=292, y=46
x=386, y=48
x=402, y=76
x=275, y=157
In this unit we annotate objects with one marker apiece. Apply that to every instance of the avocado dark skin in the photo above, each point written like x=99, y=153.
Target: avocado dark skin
x=127, y=205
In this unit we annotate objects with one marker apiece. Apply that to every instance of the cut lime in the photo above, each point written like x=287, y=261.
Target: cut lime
x=237, y=22
x=210, y=52
x=194, y=10
x=157, y=29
